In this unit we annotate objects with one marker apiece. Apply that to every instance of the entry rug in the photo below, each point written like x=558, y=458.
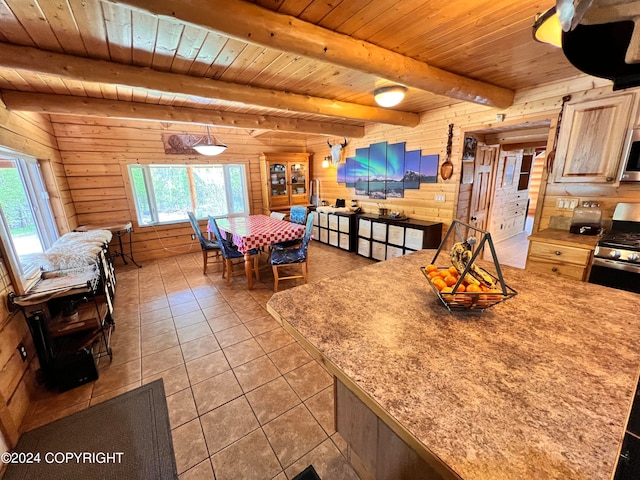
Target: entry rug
x=125, y=438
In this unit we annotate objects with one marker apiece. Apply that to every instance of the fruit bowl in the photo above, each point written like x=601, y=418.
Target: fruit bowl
x=461, y=299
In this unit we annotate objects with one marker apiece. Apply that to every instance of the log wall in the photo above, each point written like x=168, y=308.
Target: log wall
x=31, y=134
x=430, y=136
x=96, y=153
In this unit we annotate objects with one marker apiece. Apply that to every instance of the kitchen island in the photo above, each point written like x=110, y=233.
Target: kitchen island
x=537, y=387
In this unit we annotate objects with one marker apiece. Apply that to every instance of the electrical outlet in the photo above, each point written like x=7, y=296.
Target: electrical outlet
x=564, y=203
x=193, y=236
x=439, y=197
x=23, y=352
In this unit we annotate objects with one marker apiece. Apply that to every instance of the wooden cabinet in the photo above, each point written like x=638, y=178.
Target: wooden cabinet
x=560, y=257
x=285, y=180
x=591, y=140
x=385, y=238
x=337, y=229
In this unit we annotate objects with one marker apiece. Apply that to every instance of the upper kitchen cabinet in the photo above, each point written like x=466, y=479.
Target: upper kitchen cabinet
x=285, y=180
x=591, y=139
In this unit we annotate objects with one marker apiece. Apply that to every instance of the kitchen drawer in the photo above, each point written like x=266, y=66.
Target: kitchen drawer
x=541, y=265
x=560, y=253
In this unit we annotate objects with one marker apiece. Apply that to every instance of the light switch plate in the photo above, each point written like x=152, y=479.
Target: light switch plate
x=439, y=197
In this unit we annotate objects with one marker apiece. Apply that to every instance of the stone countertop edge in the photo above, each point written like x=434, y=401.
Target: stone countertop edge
x=539, y=386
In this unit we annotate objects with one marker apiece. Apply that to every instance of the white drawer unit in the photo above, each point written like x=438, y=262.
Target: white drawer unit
x=364, y=247
x=396, y=235
x=344, y=225
x=413, y=238
x=315, y=233
x=364, y=228
x=379, y=231
x=388, y=238
x=345, y=241
x=338, y=229
x=378, y=250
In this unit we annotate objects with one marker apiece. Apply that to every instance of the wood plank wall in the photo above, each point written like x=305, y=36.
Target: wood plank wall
x=430, y=136
x=31, y=134
x=95, y=153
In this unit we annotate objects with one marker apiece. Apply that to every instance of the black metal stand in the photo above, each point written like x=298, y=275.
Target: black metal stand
x=120, y=253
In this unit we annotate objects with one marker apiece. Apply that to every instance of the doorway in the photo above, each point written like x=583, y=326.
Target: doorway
x=501, y=196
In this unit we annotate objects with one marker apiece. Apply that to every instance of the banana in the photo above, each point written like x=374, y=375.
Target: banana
x=461, y=256
x=457, y=260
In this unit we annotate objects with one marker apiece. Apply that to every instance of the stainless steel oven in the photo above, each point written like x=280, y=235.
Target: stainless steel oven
x=616, y=260
x=631, y=159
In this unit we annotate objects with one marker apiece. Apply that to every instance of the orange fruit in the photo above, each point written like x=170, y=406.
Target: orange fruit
x=433, y=274
x=484, y=288
x=453, y=271
x=473, y=288
x=430, y=268
x=439, y=283
x=447, y=290
x=461, y=288
x=450, y=280
x=444, y=273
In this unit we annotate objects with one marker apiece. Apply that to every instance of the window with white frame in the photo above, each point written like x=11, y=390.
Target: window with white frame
x=165, y=193
x=27, y=224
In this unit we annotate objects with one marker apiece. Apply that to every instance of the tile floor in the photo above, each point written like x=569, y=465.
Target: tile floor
x=245, y=400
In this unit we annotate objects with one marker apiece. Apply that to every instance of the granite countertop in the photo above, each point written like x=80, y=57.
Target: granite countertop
x=537, y=387
x=563, y=237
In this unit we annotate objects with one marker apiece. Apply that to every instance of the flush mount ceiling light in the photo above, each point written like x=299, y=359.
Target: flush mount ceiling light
x=547, y=29
x=389, y=96
x=208, y=147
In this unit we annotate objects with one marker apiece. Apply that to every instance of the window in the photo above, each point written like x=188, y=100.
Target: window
x=165, y=193
x=26, y=221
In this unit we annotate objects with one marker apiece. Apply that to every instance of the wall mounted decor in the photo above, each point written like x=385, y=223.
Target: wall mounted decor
x=469, y=152
x=385, y=171
x=179, y=144
x=446, y=169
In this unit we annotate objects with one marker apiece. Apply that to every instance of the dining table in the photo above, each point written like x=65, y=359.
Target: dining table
x=257, y=231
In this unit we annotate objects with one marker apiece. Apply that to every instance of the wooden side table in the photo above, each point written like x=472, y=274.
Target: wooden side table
x=118, y=230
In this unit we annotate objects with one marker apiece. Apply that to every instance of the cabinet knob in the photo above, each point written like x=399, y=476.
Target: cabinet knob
x=554, y=269
x=609, y=179
x=558, y=252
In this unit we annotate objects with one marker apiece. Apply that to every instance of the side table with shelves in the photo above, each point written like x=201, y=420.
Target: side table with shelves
x=69, y=314
x=337, y=229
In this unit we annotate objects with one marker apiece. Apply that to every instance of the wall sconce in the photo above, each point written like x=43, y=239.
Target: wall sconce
x=325, y=162
x=209, y=147
x=547, y=29
x=389, y=96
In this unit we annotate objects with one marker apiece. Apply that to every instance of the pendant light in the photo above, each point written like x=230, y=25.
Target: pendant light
x=546, y=28
x=209, y=147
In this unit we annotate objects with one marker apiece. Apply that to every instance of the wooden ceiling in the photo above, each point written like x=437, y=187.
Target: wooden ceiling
x=306, y=66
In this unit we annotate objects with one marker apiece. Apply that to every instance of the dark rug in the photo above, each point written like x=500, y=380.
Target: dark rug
x=308, y=473
x=127, y=437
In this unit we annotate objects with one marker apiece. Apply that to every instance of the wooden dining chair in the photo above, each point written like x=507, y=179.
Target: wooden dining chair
x=231, y=254
x=278, y=215
x=292, y=256
x=210, y=248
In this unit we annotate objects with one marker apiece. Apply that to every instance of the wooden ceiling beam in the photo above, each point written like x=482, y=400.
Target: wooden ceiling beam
x=100, y=71
x=251, y=23
x=94, y=107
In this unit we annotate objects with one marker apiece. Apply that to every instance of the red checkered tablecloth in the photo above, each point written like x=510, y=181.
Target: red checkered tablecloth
x=255, y=231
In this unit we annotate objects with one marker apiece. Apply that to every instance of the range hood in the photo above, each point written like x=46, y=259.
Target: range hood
x=600, y=50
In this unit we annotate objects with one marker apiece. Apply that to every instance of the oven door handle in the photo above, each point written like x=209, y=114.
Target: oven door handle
x=627, y=267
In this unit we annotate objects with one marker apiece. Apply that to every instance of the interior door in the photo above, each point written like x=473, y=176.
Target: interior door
x=483, y=181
